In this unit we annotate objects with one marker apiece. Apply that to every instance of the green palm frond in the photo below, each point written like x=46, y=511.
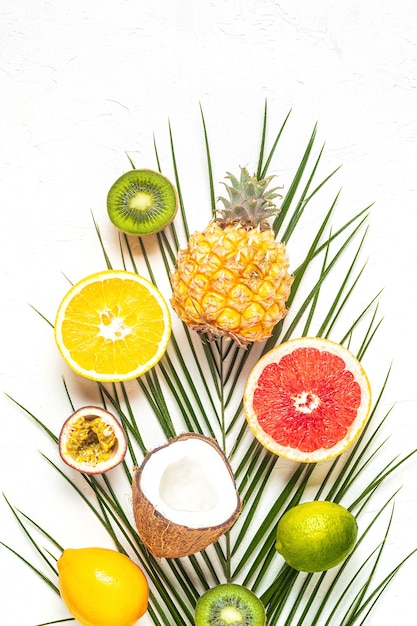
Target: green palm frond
x=197, y=386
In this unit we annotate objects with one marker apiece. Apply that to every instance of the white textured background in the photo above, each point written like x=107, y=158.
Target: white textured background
x=82, y=83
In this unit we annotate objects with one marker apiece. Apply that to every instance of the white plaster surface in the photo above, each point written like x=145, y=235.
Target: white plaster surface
x=86, y=81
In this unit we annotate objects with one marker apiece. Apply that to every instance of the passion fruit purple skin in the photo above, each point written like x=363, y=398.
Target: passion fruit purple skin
x=119, y=448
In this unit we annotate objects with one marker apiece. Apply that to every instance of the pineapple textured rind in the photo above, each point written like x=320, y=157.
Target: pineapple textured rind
x=233, y=282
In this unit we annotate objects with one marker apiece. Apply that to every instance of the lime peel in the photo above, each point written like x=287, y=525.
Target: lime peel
x=316, y=536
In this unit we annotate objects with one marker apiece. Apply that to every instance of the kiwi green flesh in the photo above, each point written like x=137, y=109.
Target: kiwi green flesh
x=141, y=202
x=229, y=605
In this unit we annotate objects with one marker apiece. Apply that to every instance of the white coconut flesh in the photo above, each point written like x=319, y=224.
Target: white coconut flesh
x=189, y=483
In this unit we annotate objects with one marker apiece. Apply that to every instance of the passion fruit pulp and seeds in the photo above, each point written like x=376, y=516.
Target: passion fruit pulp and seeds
x=92, y=441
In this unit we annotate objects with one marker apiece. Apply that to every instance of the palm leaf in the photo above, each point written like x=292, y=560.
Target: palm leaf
x=197, y=386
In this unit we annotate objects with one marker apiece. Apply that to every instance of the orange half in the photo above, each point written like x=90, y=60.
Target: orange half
x=307, y=399
x=112, y=326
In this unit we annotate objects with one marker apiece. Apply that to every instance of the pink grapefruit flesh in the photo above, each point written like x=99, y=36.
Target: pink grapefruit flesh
x=307, y=399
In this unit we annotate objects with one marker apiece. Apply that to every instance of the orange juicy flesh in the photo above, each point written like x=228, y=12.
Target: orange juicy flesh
x=113, y=326
x=308, y=400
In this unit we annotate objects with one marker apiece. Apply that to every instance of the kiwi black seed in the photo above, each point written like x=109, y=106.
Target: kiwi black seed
x=142, y=202
x=229, y=605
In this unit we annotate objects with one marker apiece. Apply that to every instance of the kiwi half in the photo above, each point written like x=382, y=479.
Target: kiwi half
x=142, y=202
x=229, y=605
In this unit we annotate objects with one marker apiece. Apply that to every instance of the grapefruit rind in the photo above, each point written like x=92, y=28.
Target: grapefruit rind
x=320, y=454
x=92, y=374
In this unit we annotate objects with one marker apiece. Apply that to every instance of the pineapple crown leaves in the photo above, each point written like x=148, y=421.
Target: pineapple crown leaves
x=249, y=202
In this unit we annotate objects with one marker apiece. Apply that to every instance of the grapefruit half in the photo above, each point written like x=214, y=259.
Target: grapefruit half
x=307, y=399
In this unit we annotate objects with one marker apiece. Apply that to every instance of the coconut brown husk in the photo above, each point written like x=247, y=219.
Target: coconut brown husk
x=165, y=538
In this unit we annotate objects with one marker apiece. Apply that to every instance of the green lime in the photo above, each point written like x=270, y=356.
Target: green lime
x=315, y=536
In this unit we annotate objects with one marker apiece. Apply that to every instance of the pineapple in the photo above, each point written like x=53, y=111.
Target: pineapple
x=232, y=280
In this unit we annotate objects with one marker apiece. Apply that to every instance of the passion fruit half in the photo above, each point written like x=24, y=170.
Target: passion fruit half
x=92, y=441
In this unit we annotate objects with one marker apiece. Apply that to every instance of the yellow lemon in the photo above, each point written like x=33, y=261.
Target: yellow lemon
x=316, y=536
x=102, y=587
x=112, y=326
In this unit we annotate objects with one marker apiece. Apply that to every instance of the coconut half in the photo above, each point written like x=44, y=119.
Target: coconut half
x=184, y=496
x=92, y=441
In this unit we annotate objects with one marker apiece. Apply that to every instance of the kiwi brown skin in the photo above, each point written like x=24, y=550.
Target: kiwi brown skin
x=142, y=202
x=209, y=607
